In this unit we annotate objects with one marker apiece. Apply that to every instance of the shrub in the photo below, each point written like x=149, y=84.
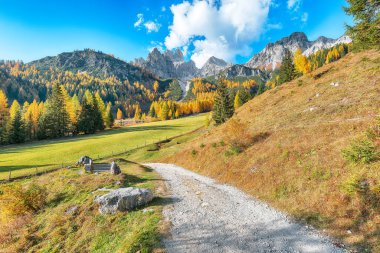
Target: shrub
x=17, y=200
x=214, y=145
x=202, y=145
x=194, y=152
x=222, y=143
x=237, y=134
x=362, y=150
x=233, y=150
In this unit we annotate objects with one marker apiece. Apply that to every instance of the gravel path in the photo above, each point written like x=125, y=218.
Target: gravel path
x=211, y=217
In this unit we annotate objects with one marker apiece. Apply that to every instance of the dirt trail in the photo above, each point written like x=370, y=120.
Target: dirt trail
x=211, y=217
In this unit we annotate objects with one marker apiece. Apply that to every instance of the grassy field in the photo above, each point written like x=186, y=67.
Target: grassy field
x=52, y=227
x=35, y=157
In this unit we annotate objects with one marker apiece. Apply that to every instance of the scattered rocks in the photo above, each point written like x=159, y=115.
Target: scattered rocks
x=71, y=210
x=253, y=170
x=123, y=199
x=334, y=84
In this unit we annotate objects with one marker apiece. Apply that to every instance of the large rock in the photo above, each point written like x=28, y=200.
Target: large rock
x=123, y=199
x=115, y=169
x=84, y=160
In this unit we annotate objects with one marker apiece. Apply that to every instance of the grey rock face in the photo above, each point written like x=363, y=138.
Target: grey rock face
x=271, y=56
x=238, y=70
x=170, y=64
x=123, y=199
x=213, y=67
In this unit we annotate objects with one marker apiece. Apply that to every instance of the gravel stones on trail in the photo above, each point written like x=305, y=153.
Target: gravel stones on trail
x=211, y=217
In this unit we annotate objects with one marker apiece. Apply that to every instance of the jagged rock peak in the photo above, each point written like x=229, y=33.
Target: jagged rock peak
x=175, y=56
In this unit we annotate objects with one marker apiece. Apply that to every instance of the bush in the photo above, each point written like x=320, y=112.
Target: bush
x=233, y=150
x=361, y=151
x=194, y=152
x=17, y=200
x=202, y=145
x=237, y=134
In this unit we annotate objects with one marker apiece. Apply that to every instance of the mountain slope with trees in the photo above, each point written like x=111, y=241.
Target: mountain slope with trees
x=295, y=146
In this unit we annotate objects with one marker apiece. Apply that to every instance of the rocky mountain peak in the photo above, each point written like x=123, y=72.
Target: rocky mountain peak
x=271, y=57
x=175, y=56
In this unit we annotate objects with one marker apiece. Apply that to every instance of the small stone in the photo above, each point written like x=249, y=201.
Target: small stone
x=349, y=232
x=71, y=210
x=198, y=192
x=204, y=204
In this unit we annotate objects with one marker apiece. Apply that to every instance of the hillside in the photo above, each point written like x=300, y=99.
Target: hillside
x=94, y=63
x=292, y=138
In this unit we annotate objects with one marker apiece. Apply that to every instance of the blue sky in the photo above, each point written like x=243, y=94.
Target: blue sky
x=231, y=29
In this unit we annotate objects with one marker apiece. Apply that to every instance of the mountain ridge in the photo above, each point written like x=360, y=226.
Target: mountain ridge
x=271, y=56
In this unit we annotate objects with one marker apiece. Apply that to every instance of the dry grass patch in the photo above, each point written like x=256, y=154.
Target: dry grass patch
x=293, y=140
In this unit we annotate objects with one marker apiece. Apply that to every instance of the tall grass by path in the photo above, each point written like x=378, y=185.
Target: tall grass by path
x=29, y=158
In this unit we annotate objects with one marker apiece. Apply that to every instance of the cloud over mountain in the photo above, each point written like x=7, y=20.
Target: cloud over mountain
x=222, y=28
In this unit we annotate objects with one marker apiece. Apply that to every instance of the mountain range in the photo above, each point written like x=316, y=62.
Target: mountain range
x=172, y=64
x=271, y=56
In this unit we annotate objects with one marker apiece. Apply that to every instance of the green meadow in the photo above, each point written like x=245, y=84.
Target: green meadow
x=29, y=158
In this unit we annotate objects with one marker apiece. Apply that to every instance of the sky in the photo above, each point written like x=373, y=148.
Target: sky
x=229, y=29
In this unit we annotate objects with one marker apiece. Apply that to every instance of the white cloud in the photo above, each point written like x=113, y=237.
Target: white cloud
x=223, y=28
x=277, y=26
x=293, y=4
x=305, y=17
x=150, y=26
x=163, y=8
x=140, y=20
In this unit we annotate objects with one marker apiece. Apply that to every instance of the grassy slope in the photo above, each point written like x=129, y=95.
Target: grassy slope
x=23, y=159
x=51, y=229
x=294, y=161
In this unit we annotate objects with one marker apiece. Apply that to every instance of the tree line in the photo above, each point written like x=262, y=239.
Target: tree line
x=60, y=115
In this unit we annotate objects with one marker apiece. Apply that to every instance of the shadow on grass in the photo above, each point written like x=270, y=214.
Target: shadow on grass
x=20, y=167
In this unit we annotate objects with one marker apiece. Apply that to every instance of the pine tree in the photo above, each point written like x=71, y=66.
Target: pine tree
x=287, y=69
x=4, y=115
x=119, y=114
x=56, y=119
x=109, y=119
x=237, y=101
x=101, y=105
x=164, y=115
x=137, y=115
x=16, y=126
x=365, y=32
x=97, y=114
x=223, y=104
x=90, y=119
x=152, y=111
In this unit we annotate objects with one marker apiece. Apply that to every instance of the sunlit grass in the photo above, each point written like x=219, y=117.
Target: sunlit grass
x=39, y=156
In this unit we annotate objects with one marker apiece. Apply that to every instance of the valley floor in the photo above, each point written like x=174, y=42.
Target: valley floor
x=210, y=217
